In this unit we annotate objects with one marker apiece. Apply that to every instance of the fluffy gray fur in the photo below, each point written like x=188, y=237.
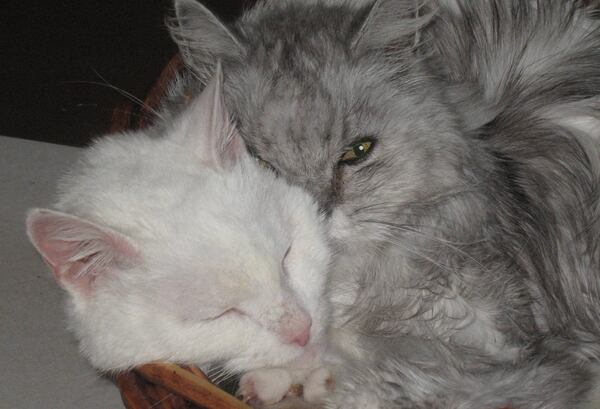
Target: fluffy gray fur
x=467, y=266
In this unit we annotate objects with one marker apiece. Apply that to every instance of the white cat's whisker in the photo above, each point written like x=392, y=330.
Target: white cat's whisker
x=157, y=403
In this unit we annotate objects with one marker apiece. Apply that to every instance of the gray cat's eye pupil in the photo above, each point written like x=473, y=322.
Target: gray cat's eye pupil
x=356, y=152
x=360, y=150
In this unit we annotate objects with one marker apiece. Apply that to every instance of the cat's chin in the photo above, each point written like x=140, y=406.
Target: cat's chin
x=280, y=357
x=256, y=359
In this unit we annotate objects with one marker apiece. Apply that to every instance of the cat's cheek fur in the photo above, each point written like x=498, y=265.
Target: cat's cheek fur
x=133, y=335
x=341, y=227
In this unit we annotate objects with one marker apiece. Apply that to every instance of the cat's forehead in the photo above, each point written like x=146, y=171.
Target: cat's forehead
x=292, y=76
x=293, y=119
x=303, y=119
x=298, y=24
x=180, y=199
x=300, y=91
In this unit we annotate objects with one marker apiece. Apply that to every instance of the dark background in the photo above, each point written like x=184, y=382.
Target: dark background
x=57, y=56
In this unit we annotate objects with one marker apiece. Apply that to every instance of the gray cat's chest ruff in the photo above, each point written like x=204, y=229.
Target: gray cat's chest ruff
x=393, y=290
x=449, y=317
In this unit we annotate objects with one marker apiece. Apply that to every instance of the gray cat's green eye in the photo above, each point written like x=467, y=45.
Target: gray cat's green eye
x=357, y=151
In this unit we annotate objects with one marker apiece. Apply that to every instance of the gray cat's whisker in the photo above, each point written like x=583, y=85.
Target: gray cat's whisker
x=124, y=93
x=448, y=244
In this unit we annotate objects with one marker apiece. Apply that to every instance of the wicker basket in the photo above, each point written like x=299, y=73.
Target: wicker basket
x=168, y=386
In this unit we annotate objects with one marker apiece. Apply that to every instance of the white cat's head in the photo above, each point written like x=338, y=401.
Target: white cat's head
x=184, y=248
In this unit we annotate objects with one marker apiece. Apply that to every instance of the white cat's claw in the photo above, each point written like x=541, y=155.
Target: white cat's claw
x=318, y=385
x=269, y=386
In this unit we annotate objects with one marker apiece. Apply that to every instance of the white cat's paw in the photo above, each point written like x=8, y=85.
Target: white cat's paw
x=318, y=385
x=268, y=386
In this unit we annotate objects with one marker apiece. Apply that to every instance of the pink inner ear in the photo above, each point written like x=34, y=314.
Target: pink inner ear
x=210, y=130
x=233, y=149
x=76, y=250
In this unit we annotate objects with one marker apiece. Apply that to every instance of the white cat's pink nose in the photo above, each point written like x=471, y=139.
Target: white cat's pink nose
x=303, y=337
x=299, y=334
x=288, y=321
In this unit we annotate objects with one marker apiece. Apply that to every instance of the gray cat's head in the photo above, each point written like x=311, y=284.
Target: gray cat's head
x=334, y=98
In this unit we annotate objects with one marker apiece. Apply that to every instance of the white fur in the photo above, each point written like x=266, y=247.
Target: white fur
x=207, y=240
x=269, y=386
x=318, y=385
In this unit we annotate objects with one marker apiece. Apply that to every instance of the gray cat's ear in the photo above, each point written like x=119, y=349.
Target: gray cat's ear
x=210, y=133
x=202, y=38
x=391, y=25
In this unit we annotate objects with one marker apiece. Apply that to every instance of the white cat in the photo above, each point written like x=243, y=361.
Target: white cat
x=183, y=248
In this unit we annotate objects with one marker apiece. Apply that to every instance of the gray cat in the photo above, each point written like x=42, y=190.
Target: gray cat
x=453, y=146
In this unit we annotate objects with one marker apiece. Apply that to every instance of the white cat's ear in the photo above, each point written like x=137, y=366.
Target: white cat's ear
x=210, y=132
x=391, y=26
x=202, y=38
x=77, y=251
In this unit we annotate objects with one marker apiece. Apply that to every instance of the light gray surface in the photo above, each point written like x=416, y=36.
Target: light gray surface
x=39, y=362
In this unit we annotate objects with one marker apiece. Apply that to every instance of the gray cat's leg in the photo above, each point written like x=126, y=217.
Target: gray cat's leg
x=558, y=384
x=394, y=384
x=388, y=384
